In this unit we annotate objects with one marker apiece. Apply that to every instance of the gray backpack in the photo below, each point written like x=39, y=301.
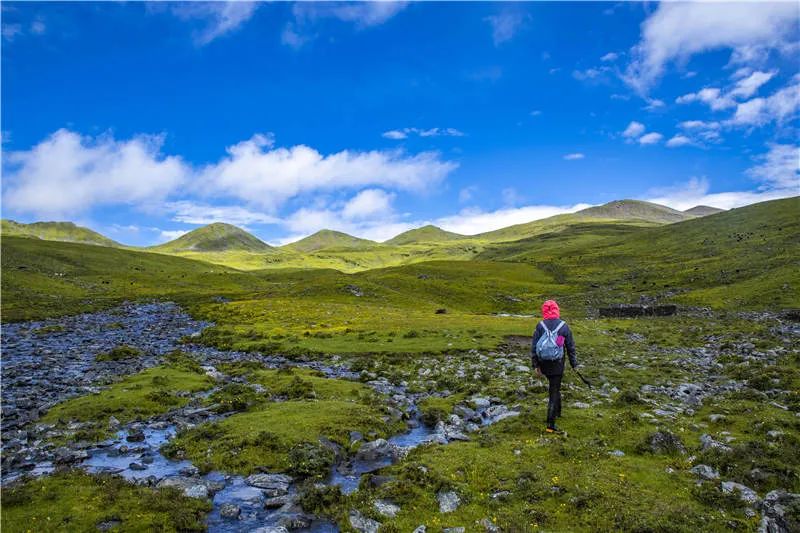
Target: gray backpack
x=547, y=349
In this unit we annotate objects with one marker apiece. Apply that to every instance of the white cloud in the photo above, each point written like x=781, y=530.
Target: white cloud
x=169, y=235
x=263, y=176
x=611, y=56
x=696, y=192
x=67, y=174
x=779, y=107
x=677, y=30
x=535, y=113
x=10, y=31
x=190, y=212
x=367, y=203
x=778, y=168
x=361, y=14
x=634, y=130
x=679, y=140
x=574, y=156
x=591, y=74
x=394, y=134
x=712, y=96
x=474, y=221
x=38, y=27
x=430, y=132
x=650, y=138
x=220, y=18
x=747, y=87
x=465, y=194
x=505, y=25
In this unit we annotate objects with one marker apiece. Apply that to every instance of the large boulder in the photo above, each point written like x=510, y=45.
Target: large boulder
x=375, y=450
x=781, y=512
x=664, y=442
x=448, y=501
x=272, y=484
x=362, y=524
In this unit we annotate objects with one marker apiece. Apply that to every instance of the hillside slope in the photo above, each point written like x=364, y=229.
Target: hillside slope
x=216, y=237
x=328, y=239
x=55, y=231
x=427, y=233
x=703, y=211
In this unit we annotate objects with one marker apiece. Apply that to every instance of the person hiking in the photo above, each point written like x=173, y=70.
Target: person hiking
x=551, y=336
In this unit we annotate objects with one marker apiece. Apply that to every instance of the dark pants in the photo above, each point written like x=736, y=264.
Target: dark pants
x=554, y=399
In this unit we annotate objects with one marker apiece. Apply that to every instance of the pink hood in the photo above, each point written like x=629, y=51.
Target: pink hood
x=550, y=310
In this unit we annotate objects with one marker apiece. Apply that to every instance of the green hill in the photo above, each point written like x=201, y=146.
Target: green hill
x=703, y=210
x=635, y=210
x=427, y=233
x=55, y=231
x=217, y=237
x=328, y=239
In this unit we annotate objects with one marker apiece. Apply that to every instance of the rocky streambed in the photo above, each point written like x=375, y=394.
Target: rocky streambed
x=47, y=362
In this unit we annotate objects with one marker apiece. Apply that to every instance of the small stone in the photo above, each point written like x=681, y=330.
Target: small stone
x=705, y=472
x=229, y=510
x=580, y=405
x=362, y=524
x=272, y=484
x=448, y=501
x=420, y=529
x=746, y=494
x=454, y=529
x=386, y=508
x=137, y=466
x=617, y=453
x=135, y=436
x=488, y=525
x=278, y=501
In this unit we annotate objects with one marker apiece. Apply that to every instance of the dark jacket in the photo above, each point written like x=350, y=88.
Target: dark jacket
x=553, y=368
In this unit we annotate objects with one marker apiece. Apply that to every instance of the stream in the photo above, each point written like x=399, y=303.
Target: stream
x=49, y=361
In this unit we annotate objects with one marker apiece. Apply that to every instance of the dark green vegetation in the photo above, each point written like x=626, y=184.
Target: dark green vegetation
x=118, y=353
x=284, y=436
x=73, y=501
x=419, y=322
x=425, y=234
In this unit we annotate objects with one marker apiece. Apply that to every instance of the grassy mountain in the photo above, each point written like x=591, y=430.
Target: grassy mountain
x=635, y=210
x=217, y=237
x=55, y=231
x=328, y=239
x=427, y=233
x=703, y=210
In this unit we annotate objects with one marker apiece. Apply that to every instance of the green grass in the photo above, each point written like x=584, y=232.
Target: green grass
x=216, y=237
x=267, y=435
x=137, y=397
x=119, y=353
x=75, y=501
x=55, y=231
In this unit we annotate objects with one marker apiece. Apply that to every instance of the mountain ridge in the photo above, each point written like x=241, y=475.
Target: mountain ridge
x=215, y=237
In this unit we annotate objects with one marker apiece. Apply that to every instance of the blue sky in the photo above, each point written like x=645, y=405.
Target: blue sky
x=143, y=121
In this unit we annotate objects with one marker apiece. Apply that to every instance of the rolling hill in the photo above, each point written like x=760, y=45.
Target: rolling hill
x=635, y=210
x=56, y=231
x=217, y=237
x=703, y=211
x=328, y=239
x=427, y=233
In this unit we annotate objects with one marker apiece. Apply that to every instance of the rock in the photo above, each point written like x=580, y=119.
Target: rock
x=213, y=373
x=108, y=525
x=746, y=494
x=295, y=521
x=705, y=472
x=374, y=450
x=617, y=453
x=191, y=487
x=137, y=466
x=279, y=501
x=354, y=290
x=634, y=310
x=189, y=471
x=135, y=436
x=488, y=525
x=780, y=512
x=665, y=442
x=270, y=529
x=448, y=501
x=65, y=456
x=272, y=484
x=479, y=402
x=362, y=524
x=229, y=510
x=708, y=443
x=386, y=508
x=454, y=529
x=420, y=529
x=113, y=423
x=580, y=405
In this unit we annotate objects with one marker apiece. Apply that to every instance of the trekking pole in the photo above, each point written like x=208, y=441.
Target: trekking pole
x=583, y=379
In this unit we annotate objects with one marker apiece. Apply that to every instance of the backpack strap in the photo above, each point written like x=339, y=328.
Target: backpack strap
x=544, y=326
x=558, y=327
